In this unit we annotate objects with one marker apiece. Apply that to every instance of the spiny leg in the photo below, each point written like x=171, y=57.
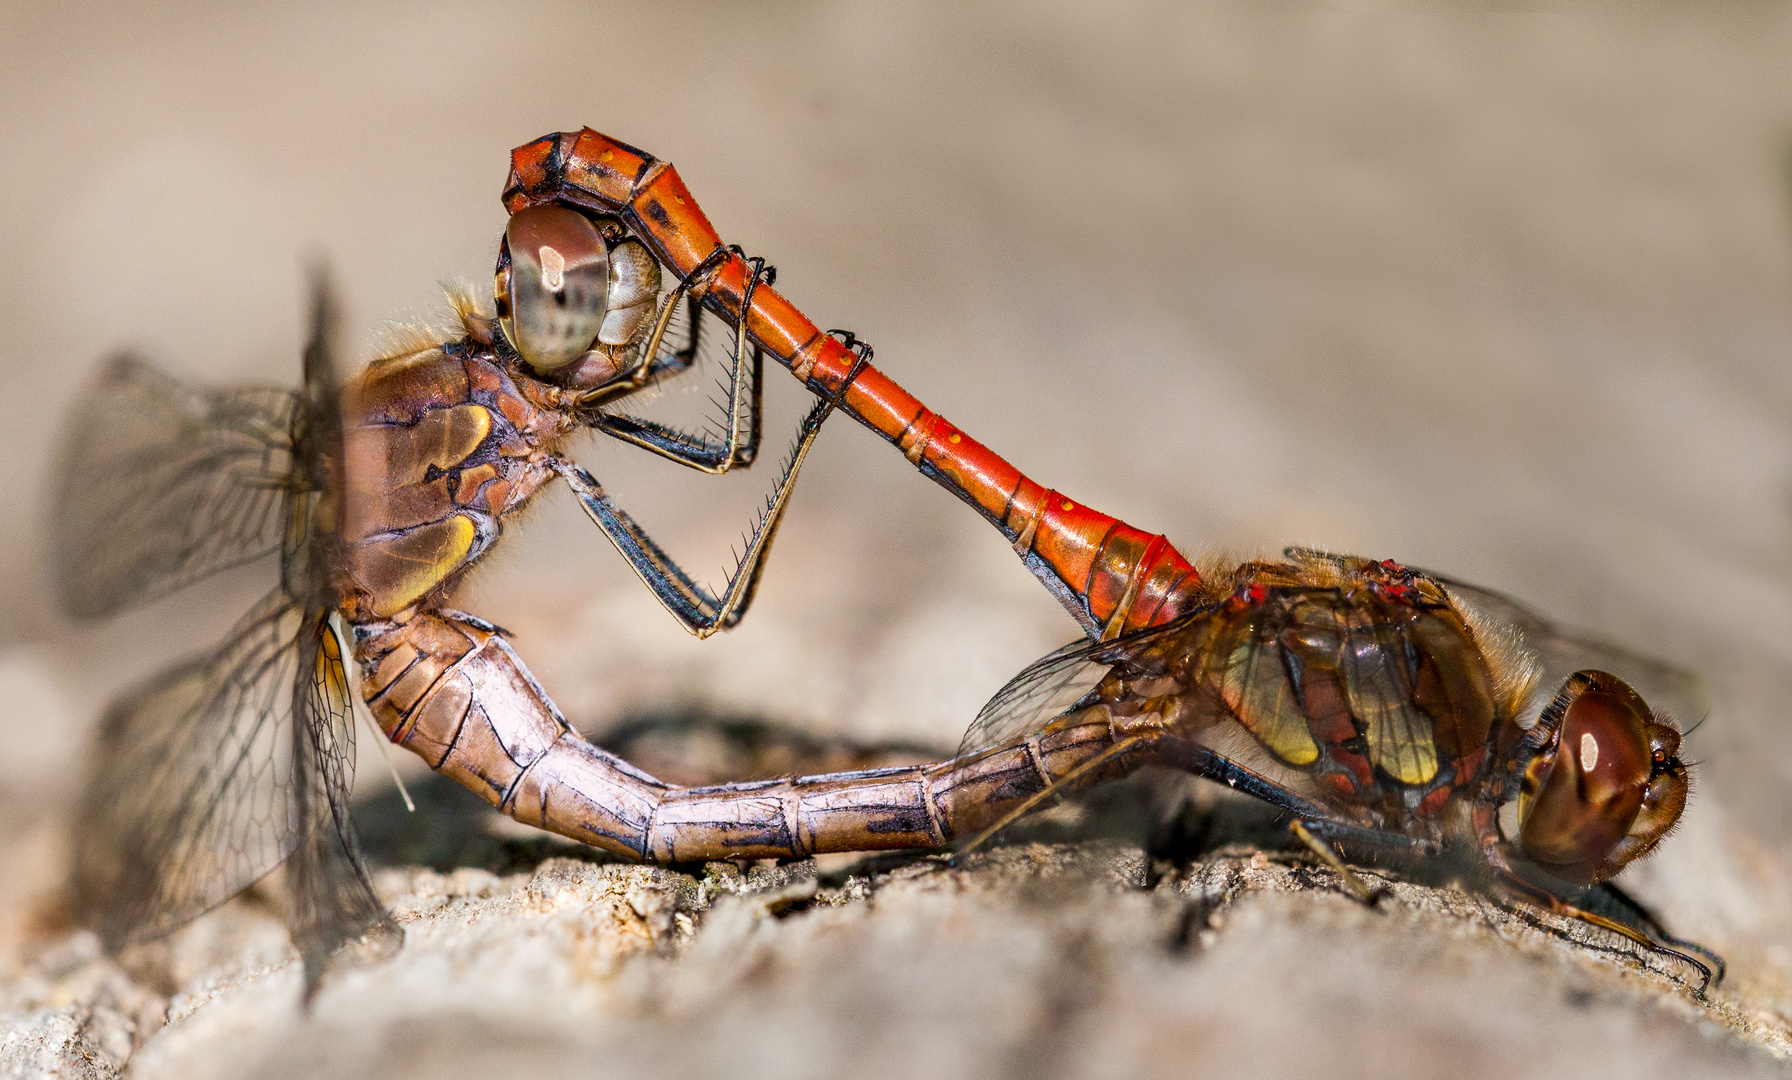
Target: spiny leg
x=700, y=611
x=1652, y=925
x=1312, y=825
x=743, y=409
x=1193, y=757
x=1549, y=901
x=860, y=348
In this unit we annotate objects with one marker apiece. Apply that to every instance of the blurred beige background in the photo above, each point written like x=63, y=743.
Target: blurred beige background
x=1506, y=295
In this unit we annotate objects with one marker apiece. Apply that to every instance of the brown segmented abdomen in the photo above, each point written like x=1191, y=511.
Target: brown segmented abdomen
x=438, y=449
x=449, y=688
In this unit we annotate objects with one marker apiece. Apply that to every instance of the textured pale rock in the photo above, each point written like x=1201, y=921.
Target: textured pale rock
x=1035, y=959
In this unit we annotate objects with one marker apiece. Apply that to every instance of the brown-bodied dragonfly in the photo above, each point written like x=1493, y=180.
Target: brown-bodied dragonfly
x=1379, y=706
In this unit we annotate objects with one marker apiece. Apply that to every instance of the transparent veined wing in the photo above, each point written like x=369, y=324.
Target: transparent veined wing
x=161, y=484
x=1216, y=677
x=190, y=797
x=702, y=346
x=1669, y=689
x=1061, y=681
x=1046, y=688
x=330, y=900
x=216, y=772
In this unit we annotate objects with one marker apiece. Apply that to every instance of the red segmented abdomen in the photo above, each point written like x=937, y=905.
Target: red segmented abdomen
x=1113, y=577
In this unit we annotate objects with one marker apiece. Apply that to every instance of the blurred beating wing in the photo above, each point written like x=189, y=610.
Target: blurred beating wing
x=161, y=484
x=1669, y=690
x=213, y=774
x=217, y=771
x=330, y=900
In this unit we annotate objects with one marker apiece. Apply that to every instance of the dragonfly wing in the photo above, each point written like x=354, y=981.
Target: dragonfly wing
x=1258, y=688
x=330, y=899
x=1379, y=687
x=217, y=771
x=1047, y=688
x=1059, y=681
x=162, y=484
x=213, y=774
x=189, y=801
x=1670, y=690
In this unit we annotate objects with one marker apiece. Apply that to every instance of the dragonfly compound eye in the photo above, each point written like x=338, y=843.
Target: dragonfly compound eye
x=553, y=285
x=634, y=286
x=1607, y=789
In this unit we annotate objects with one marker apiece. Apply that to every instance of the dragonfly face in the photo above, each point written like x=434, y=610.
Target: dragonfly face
x=572, y=293
x=1605, y=788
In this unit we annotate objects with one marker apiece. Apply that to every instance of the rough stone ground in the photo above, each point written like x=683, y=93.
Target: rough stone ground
x=1509, y=295
x=1036, y=958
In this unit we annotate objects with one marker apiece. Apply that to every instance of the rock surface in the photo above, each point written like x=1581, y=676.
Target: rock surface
x=1033, y=959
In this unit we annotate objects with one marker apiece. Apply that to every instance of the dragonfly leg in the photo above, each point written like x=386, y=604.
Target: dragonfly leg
x=1192, y=757
x=700, y=611
x=1107, y=573
x=652, y=368
x=1636, y=912
x=1665, y=946
x=746, y=392
x=1313, y=823
x=1308, y=834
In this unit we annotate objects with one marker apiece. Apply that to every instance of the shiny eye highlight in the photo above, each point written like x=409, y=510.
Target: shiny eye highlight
x=552, y=286
x=1606, y=788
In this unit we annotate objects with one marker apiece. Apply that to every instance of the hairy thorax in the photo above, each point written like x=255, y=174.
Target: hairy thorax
x=441, y=445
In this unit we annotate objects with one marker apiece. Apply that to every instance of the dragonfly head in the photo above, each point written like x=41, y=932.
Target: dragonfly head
x=1606, y=786
x=572, y=293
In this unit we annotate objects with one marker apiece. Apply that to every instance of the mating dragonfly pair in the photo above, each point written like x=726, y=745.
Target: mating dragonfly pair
x=1384, y=709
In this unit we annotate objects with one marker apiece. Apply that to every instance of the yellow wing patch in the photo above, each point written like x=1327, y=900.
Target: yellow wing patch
x=1256, y=687
x=331, y=675
x=1399, y=735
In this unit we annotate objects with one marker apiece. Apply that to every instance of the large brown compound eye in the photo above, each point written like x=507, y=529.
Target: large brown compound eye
x=553, y=285
x=1606, y=789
